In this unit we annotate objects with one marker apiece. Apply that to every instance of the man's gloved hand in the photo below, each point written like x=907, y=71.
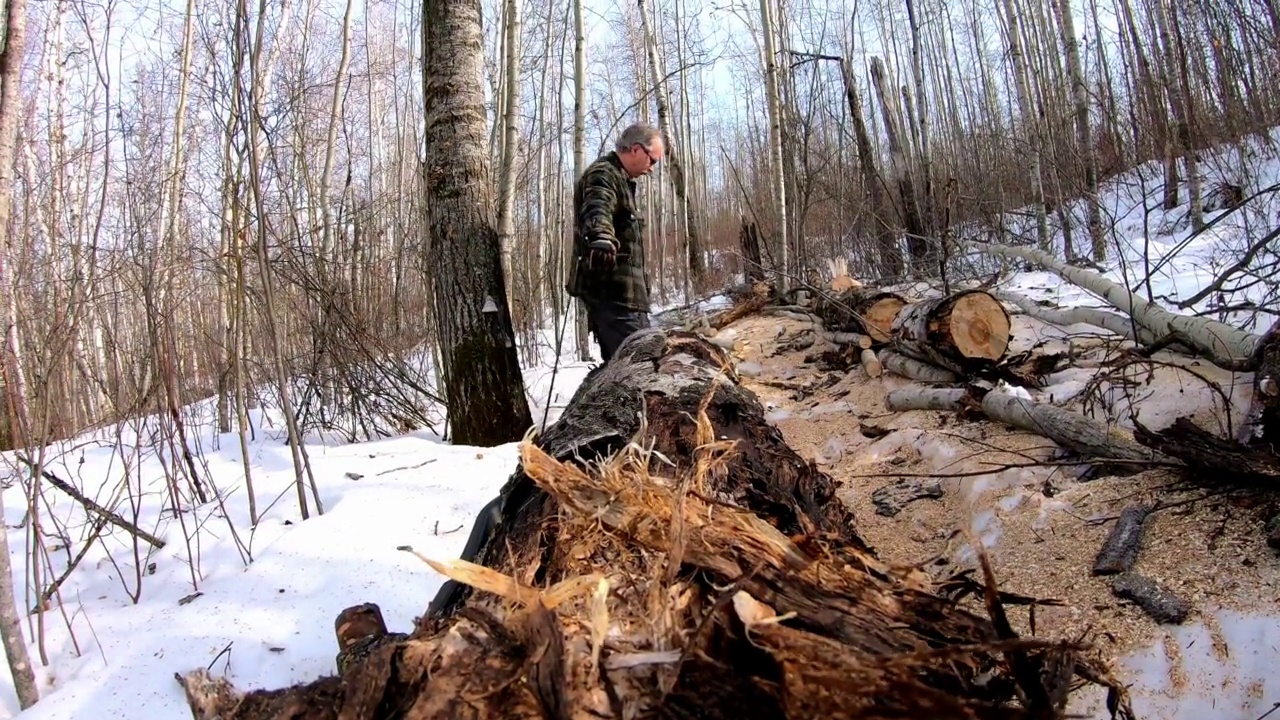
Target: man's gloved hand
x=601, y=254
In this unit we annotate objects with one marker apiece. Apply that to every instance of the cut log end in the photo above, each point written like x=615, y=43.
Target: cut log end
x=979, y=326
x=880, y=316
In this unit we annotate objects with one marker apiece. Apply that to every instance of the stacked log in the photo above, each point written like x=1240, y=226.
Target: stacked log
x=962, y=332
x=642, y=565
x=862, y=311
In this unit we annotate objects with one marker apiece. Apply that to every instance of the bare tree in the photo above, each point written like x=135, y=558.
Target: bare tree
x=11, y=56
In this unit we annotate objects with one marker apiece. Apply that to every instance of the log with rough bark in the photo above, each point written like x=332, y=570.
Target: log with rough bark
x=1264, y=414
x=661, y=552
x=1070, y=429
x=762, y=294
x=868, y=312
x=1222, y=344
x=963, y=332
x=858, y=340
x=1212, y=460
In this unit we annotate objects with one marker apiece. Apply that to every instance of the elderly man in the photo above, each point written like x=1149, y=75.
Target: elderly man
x=608, y=271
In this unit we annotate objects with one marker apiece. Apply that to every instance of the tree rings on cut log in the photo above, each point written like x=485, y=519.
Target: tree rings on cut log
x=869, y=312
x=961, y=332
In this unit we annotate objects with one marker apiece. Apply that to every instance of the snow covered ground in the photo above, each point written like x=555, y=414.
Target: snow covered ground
x=131, y=617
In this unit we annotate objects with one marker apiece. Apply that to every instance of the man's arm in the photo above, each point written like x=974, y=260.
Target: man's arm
x=595, y=215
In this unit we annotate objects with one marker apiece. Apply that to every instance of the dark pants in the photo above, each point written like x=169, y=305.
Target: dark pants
x=612, y=323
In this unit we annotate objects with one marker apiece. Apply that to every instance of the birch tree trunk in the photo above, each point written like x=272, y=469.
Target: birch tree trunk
x=775, y=142
x=483, y=385
x=11, y=56
x=510, y=132
x=580, y=150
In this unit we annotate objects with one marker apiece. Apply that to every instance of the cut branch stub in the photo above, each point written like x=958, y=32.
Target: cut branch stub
x=868, y=312
x=963, y=332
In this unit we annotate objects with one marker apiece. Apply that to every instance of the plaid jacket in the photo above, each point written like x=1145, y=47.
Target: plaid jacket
x=604, y=201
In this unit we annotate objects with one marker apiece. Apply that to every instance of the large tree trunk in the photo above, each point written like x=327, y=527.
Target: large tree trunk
x=712, y=574
x=964, y=332
x=484, y=389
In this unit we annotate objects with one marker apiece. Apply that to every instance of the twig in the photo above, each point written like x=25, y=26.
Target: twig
x=92, y=506
x=409, y=467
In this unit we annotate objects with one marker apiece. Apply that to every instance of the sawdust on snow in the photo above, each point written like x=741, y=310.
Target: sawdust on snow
x=1042, y=526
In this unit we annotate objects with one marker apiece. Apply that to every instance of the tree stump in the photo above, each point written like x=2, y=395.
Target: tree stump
x=963, y=332
x=662, y=552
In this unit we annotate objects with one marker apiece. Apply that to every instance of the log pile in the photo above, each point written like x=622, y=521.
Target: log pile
x=661, y=552
x=963, y=332
x=859, y=310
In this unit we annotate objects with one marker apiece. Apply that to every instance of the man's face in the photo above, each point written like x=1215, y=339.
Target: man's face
x=640, y=160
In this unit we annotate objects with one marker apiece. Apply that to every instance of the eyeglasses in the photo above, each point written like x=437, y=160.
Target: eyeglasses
x=652, y=160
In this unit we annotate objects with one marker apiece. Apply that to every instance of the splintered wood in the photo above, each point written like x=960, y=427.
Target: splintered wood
x=670, y=555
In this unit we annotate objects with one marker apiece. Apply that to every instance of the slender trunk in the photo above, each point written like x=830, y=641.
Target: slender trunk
x=1084, y=136
x=11, y=57
x=275, y=329
x=1019, y=69
x=782, y=267
x=510, y=131
x=579, y=150
x=675, y=164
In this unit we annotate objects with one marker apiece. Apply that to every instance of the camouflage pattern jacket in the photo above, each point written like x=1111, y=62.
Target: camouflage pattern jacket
x=604, y=201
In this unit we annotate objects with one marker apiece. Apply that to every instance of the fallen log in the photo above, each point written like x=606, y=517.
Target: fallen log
x=862, y=342
x=1153, y=598
x=761, y=295
x=860, y=310
x=1221, y=343
x=964, y=332
x=1120, y=550
x=1116, y=323
x=661, y=552
x=1076, y=431
x=913, y=369
x=1265, y=411
x=870, y=363
x=918, y=397
x=1211, y=459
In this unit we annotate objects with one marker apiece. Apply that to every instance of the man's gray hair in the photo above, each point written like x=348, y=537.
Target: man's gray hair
x=637, y=134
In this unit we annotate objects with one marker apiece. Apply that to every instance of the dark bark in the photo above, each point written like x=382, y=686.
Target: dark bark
x=1266, y=389
x=484, y=388
x=1120, y=550
x=1212, y=460
x=749, y=239
x=889, y=254
x=740, y=536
